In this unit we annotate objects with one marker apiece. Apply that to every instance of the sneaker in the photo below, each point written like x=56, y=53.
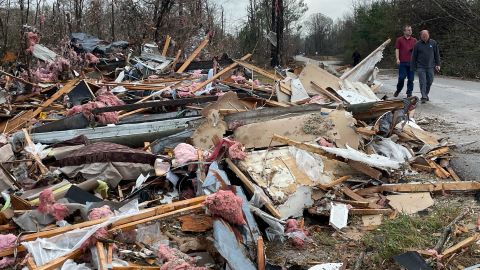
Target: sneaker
x=424, y=100
x=396, y=93
x=409, y=95
x=428, y=98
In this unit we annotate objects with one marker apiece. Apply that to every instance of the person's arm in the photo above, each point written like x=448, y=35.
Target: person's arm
x=397, y=56
x=437, y=57
x=413, y=62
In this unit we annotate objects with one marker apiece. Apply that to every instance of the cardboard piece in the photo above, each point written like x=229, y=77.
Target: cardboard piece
x=372, y=220
x=410, y=203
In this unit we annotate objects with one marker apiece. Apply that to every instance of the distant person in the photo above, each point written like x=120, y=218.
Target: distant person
x=425, y=60
x=356, y=57
x=403, y=52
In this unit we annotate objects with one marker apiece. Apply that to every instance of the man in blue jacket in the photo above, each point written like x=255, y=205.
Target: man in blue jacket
x=425, y=60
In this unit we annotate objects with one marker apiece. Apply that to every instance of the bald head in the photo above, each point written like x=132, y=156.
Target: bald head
x=424, y=35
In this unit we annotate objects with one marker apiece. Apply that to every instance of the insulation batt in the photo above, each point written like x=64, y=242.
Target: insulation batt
x=238, y=79
x=185, y=153
x=104, y=98
x=32, y=39
x=296, y=234
x=102, y=233
x=174, y=259
x=90, y=58
x=227, y=205
x=48, y=205
x=235, y=150
x=7, y=241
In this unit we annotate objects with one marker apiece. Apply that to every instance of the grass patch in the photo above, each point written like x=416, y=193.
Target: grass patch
x=393, y=237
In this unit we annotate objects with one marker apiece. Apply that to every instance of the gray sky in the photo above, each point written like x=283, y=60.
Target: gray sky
x=235, y=10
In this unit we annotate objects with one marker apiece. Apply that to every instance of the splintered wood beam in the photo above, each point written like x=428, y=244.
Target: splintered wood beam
x=351, y=194
x=283, y=87
x=260, y=254
x=251, y=188
x=335, y=182
x=149, y=212
x=58, y=262
x=465, y=243
x=422, y=187
x=327, y=93
x=365, y=169
x=175, y=61
x=35, y=156
x=102, y=259
x=193, y=55
x=219, y=74
x=167, y=44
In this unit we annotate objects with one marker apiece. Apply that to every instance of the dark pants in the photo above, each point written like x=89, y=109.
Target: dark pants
x=425, y=78
x=404, y=71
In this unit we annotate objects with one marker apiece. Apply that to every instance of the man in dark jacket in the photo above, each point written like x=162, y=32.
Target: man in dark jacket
x=425, y=60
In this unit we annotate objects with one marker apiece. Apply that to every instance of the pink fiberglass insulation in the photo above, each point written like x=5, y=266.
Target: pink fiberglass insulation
x=197, y=73
x=235, y=150
x=186, y=91
x=323, y=142
x=105, y=98
x=90, y=58
x=297, y=235
x=102, y=233
x=6, y=262
x=185, y=153
x=7, y=241
x=238, y=79
x=227, y=205
x=47, y=205
x=174, y=259
x=32, y=39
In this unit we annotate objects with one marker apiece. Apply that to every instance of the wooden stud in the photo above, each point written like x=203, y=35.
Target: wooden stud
x=219, y=74
x=335, y=182
x=350, y=193
x=102, y=259
x=365, y=169
x=36, y=157
x=327, y=93
x=422, y=187
x=58, y=262
x=193, y=55
x=453, y=174
x=31, y=263
x=260, y=254
x=462, y=244
x=167, y=44
x=110, y=254
x=362, y=212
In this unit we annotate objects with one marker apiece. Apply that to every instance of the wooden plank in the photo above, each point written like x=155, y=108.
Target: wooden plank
x=177, y=57
x=438, y=152
x=362, y=212
x=110, y=254
x=183, y=211
x=422, y=187
x=167, y=44
x=193, y=55
x=423, y=168
x=353, y=203
x=36, y=157
x=350, y=193
x=462, y=244
x=453, y=174
x=196, y=223
x=307, y=147
x=365, y=169
x=327, y=93
x=219, y=74
x=283, y=87
x=31, y=263
x=365, y=131
x=58, y=262
x=64, y=90
x=142, y=215
x=260, y=254
x=102, y=259
x=335, y=182
x=251, y=188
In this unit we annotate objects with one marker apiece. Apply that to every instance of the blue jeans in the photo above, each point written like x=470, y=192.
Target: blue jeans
x=404, y=71
x=425, y=78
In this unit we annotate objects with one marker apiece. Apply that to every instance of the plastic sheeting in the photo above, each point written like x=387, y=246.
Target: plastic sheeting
x=44, y=250
x=386, y=147
x=374, y=160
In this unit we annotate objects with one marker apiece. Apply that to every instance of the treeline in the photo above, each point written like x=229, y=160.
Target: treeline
x=454, y=24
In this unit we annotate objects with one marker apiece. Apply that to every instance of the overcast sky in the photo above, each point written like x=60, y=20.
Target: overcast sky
x=235, y=10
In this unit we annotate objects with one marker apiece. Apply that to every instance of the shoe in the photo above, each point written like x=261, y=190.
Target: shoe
x=424, y=100
x=428, y=98
x=396, y=93
x=409, y=95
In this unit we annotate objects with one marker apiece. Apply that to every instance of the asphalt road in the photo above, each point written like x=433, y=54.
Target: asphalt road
x=453, y=112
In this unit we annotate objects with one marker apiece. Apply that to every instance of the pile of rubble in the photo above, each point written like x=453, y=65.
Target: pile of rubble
x=146, y=162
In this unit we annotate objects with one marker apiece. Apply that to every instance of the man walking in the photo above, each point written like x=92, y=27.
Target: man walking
x=403, y=52
x=425, y=60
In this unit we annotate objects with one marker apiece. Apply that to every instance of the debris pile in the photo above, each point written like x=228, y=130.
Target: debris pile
x=164, y=164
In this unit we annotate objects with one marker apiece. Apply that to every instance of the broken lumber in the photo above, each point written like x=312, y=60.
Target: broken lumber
x=448, y=230
x=165, y=47
x=196, y=223
x=327, y=93
x=335, y=182
x=462, y=244
x=102, y=259
x=350, y=193
x=362, y=212
x=422, y=187
x=35, y=156
x=58, y=262
x=249, y=185
x=365, y=169
x=260, y=254
x=453, y=174
x=193, y=55
x=283, y=87
x=222, y=72
x=438, y=152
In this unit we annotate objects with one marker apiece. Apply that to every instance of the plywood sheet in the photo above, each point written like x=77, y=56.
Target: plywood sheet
x=320, y=76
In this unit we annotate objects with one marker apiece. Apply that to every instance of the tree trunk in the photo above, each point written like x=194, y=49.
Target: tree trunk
x=113, y=21
x=277, y=27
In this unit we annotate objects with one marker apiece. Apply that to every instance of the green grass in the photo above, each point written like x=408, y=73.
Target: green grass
x=394, y=237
